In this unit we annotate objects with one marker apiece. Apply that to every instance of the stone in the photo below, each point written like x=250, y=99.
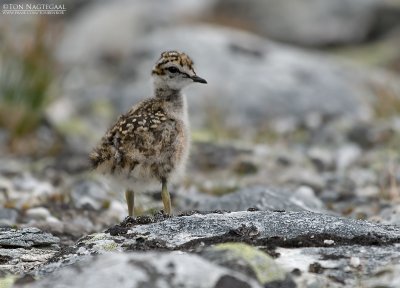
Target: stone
x=284, y=229
x=26, y=237
x=322, y=158
x=304, y=238
x=348, y=265
x=299, y=83
x=27, y=190
x=265, y=227
x=89, y=194
x=390, y=215
x=151, y=269
x=347, y=155
x=38, y=213
x=102, y=19
x=249, y=261
x=386, y=276
x=305, y=197
x=8, y=217
x=299, y=21
x=315, y=85
x=355, y=262
x=330, y=243
x=23, y=250
x=22, y=260
x=208, y=156
x=261, y=198
x=306, y=177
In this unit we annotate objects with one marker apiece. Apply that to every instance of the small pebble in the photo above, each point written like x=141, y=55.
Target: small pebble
x=329, y=242
x=355, y=262
x=38, y=213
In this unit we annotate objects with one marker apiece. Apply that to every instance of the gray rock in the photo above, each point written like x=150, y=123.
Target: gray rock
x=297, y=83
x=305, y=197
x=287, y=81
x=346, y=156
x=304, y=176
x=101, y=20
x=335, y=243
x=208, y=156
x=26, y=237
x=349, y=265
x=386, y=276
x=285, y=229
x=299, y=21
x=322, y=158
x=390, y=215
x=249, y=261
x=26, y=190
x=152, y=269
x=21, y=260
x=89, y=194
x=8, y=217
x=261, y=198
x=38, y=213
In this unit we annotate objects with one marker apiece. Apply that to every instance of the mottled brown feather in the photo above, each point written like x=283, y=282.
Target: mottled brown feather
x=147, y=136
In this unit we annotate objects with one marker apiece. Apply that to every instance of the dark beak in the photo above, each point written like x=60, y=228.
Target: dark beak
x=198, y=79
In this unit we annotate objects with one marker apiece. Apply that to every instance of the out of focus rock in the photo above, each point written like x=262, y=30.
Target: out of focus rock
x=286, y=81
x=367, y=136
x=249, y=261
x=347, y=155
x=38, y=213
x=312, y=23
x=390, y=215
x=305, y=197
x=151, y=269
x=289, y=83
x=323, y=159
x=109, y=23
x=305, y=177
x=206, y=155
x=8, y=217
x=261, y=198
x=27, y=190
x=89, y=194
x=386, y=276
x=336, y=262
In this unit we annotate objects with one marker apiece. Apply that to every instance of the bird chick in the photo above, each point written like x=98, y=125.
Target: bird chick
x=149, y=144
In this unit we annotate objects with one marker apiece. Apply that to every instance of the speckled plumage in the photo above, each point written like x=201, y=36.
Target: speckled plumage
x=150, y=143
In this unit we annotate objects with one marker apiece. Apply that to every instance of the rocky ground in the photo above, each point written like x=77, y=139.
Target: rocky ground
x=293, y=179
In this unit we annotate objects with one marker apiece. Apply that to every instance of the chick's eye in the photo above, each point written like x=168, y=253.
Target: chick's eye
x=173, y=69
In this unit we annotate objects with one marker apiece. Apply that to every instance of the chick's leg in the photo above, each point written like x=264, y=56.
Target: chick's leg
x=130, y=200
x=166, y=197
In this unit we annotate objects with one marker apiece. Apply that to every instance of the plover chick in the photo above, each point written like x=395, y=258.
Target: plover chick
x=150, y=143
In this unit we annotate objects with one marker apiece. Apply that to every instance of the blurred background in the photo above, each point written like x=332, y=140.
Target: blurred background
x=303, y=95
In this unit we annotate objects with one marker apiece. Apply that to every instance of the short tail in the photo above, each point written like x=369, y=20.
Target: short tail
x=98, y=157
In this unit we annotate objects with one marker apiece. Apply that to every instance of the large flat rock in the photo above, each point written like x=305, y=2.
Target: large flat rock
x=151, y=269
x=284, y=229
